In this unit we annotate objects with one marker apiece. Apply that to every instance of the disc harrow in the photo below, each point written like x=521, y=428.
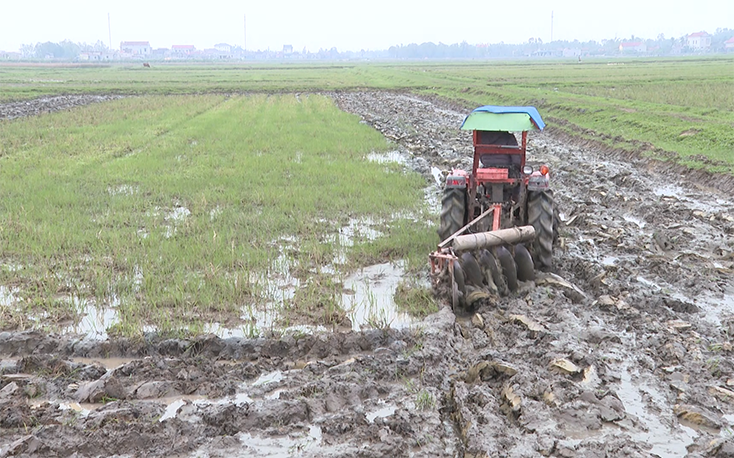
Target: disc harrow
x=502, y=192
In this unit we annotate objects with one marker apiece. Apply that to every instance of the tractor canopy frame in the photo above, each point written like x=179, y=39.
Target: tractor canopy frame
x=495, y=120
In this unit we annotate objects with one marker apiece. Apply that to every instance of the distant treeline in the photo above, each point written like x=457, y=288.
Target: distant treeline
x=534, y=47
x=63, y=50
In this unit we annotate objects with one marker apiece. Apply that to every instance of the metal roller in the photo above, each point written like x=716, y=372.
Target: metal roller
x=480, y=240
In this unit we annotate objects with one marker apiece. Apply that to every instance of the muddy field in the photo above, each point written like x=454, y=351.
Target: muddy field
x=49, y=105
x=626, y=351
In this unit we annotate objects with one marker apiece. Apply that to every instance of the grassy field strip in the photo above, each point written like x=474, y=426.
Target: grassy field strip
x=165, y=206
x=681, y=105
x=684, y=109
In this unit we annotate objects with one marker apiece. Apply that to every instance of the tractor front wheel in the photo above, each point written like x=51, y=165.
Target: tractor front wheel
x=541, y=217
x=453, y=208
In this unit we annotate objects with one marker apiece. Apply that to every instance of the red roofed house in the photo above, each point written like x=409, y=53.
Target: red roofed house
x=135, y=48
x=699, y=40
x=182, y=50
x=729, y=44
x=633, y=46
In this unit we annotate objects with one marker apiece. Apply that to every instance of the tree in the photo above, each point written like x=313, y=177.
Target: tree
x=27, y=51
x=48, y=50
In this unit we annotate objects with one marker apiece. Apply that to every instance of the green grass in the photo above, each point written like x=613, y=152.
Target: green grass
x=415, y=298
x=635, y=104
x=176, y=206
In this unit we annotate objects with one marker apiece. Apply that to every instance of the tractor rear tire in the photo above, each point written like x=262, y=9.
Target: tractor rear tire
x=453, y=208
x=541, y=216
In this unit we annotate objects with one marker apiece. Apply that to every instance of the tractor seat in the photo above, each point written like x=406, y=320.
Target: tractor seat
x=499, y=138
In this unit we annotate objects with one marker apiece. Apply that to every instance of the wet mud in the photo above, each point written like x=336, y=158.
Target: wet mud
x=623, y=350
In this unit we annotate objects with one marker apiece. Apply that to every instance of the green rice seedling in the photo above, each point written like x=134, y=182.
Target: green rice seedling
x=416, y=299
x=424, y=400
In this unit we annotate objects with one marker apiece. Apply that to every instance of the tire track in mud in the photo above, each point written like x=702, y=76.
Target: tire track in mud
x=636, y=360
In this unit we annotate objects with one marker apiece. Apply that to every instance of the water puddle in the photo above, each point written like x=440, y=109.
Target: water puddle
x=172, y=409
x=8, y=365
x=175, y=217
x=717, y=308
x=437, y=175
x=381, y=413
x=669, y=190
x=609, y=261
x=278, y=446
x=272, y=377
x=358, y=229
x=122, y=190
x=7, y=296
x=107, y=363
x=370, y=302
x=274, y=395
x=665, y=440
x=390, y=157
x=634, y=220
x=95, y=320
x=648, y=283
x=82, y=409
x=691, y=200
x=174, y=404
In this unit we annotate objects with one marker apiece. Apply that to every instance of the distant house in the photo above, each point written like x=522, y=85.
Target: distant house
x=729, y=44
x=182, y=50
x=160, y=53
x=571, y=52
x=699, y=41
x=630, y=47
x=10, y=55
x=94, y=56
x=287, y=49
x=135, y=48
x=223, y=48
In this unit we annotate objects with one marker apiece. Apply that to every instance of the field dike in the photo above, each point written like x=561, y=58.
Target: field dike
x=625, y=352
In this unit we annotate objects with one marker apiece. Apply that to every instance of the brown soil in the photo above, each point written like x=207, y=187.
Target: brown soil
x=626, y=352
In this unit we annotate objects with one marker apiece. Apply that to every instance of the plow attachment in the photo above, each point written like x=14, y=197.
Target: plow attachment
x=478, y=266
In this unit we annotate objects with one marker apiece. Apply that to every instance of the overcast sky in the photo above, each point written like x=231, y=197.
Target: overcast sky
x=349, y=25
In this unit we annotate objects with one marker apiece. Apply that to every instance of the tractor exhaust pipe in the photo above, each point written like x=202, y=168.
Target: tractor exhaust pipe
x=481, y=240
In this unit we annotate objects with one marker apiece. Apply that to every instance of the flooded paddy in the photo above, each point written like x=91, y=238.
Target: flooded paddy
x=625, y=352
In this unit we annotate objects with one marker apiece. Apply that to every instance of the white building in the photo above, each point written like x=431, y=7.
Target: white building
x=182, y=50
x=135, y=48
x=94, y=56
x=699, y=40
x=633, y=47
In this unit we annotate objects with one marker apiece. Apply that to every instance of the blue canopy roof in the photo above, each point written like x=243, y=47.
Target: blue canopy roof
x=520, y=119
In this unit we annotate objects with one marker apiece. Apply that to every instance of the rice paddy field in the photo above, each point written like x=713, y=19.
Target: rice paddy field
x=210, y=195
x=176, y=211
x=231, y=260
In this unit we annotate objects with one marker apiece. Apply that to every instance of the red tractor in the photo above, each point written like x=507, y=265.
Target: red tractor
x=482, y=254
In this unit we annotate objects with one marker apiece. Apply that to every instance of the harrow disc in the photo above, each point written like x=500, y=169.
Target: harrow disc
x=509, y=268
x=524, y=263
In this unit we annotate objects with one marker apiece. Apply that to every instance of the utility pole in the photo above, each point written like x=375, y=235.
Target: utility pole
x=244, y=46
x=109, y=30
x=551, y=26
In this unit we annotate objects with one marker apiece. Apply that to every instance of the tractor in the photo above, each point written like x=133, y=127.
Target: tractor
x=497, y=222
